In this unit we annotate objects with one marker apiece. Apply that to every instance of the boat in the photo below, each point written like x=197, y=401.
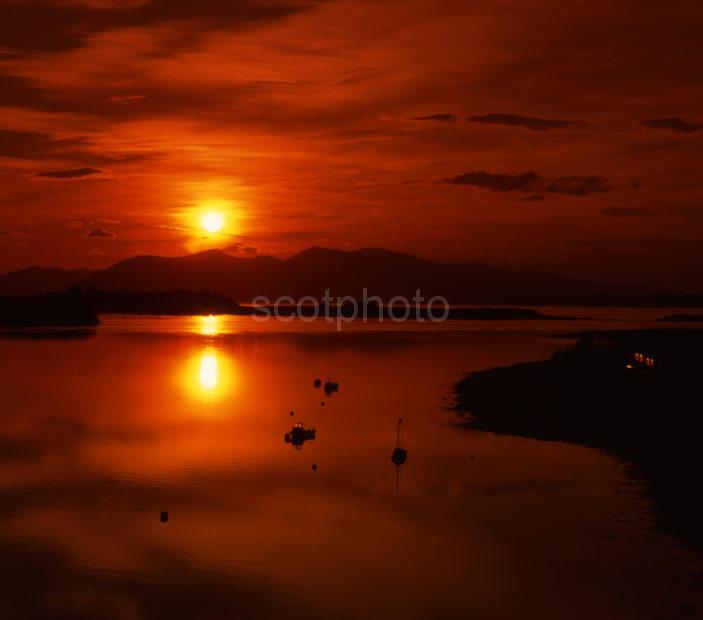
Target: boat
x=331, y=387
x=298, y=435
x=399, y=456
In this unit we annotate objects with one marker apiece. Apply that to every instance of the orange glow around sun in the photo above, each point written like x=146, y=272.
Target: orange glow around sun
x=210, y=222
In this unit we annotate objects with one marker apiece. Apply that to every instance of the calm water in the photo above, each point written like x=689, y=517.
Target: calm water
x=187, y=415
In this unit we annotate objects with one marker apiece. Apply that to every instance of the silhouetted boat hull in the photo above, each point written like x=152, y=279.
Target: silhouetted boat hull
x=299, y=435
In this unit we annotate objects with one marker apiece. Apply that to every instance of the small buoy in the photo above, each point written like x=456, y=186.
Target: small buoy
x=292, y=413
x=322, y=403
x=314, y=466
x=164, y=517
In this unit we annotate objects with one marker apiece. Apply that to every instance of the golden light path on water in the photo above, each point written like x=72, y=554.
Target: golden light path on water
x=209, y=325
x=208, y=371
x=210, y=374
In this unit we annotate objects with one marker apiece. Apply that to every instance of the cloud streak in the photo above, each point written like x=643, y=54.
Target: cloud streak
x=527, y=122
x=437, y=118
x=625, y=212
x=73, y=173
x=64, y=26
x=674, y=123
x=99, y=233
x=530, y=182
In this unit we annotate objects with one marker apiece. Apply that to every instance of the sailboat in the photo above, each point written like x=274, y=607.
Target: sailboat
x=399, y=456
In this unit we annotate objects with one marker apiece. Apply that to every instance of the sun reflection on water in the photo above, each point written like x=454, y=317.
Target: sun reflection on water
x=209, y=373
x=209, y=325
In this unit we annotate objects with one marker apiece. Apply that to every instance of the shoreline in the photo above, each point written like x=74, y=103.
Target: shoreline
x=598, y=394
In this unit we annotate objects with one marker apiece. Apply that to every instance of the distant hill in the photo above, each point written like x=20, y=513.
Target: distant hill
x=344, y=273
x=37, y=280
x=78, y=307
x=158, y=303
x=213, y=270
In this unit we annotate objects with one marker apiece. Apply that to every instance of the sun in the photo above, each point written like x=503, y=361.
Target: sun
x=212, y=221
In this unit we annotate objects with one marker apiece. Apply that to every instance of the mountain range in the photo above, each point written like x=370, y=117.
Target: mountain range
x=345, y=273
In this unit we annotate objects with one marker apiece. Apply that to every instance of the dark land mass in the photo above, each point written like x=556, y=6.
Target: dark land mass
x=80, y=308
x=374, y=311
x=635, y=394
x=49, y=310
x=511, y=314
x=344, y=273
x=39, y=280
x=47, y=332
x=161, y=302
x=682, y=318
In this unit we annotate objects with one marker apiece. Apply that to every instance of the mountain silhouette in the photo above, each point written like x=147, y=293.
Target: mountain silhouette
x=213, y=270
x=345, y=273
x=38, y=280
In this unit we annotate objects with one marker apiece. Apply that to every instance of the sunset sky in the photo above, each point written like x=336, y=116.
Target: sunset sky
x=537, y=134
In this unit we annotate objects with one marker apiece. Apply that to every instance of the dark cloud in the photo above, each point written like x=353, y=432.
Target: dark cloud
x=153, y=99
x=576, y=185
x=636, y=183
x=37, y=146
x=100, y=233
x=238, y=247
x=528, y=122
x=531, y=182
x=527, y=182
x=101, y=99
x=619, y=242
x=674, y=123
x=21, y=92
x=437, y=118
x=74, y=173
x=17, y=91
x=30, y=145
x=233, y=247
x=43, y=25
x=628, y=211
x=126, y=99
